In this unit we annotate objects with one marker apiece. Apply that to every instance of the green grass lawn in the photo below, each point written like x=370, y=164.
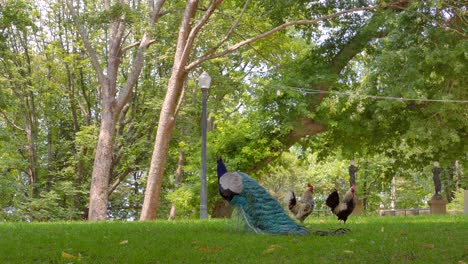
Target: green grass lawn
x=412, y=239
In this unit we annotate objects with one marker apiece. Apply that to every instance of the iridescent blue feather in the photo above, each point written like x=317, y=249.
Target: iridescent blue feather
x=263, y=213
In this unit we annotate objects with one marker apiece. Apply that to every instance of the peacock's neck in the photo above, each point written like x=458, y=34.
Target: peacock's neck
x=221, y=169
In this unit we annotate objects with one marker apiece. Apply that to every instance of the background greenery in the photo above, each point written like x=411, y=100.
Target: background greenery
x=50, y=115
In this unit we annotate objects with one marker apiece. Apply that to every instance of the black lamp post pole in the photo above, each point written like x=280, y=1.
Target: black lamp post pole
x=204, y=81
x=203, y=191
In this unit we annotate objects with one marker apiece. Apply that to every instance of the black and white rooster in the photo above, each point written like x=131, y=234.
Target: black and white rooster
x=343, y=208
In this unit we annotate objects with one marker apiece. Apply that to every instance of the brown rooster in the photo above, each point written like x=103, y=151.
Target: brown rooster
x=343, y=208
x=303, y=208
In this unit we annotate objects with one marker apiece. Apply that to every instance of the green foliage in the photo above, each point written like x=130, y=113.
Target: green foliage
x=184, y=200
x=458, y=201
x=413, y=193
x=54, y=205
x=243, y=141
x=87, y=136
x=46, y=78
x=117, y=12
x=417, y=59
x=16, y=14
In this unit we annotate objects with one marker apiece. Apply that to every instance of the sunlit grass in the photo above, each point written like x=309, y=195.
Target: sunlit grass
x=412, y=239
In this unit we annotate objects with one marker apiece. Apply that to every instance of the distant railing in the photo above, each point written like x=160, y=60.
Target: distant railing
x=403, y=212
x=321, y=212
x=389, y=212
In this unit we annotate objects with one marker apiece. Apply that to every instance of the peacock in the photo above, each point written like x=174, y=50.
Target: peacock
x=260, y=211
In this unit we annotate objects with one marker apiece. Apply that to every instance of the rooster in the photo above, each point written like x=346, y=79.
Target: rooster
x=303, y=208
x=343, y=208
x=260, y=211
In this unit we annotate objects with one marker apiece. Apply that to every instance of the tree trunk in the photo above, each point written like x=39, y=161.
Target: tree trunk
x=98, y=196
x=32, y=158
x=161, y=146
x=50, y=160
x=168, y=115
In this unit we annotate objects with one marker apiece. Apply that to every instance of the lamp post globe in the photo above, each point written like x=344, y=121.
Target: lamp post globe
x=204, y=80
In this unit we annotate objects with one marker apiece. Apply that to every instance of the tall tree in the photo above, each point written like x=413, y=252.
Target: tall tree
x=188, y=34
x=114, y=95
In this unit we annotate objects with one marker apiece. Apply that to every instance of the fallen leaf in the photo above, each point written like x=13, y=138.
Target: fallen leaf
x=322, y=221
x=123, y=242
x=348, y=252
x=271, y=248
x=461, y=262
x=428, y=246
x=209, y=250
x=352, y=240
x=382, y=229
x=66, y=255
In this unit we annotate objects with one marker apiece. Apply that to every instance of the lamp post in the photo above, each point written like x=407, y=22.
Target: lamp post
x=204, y=81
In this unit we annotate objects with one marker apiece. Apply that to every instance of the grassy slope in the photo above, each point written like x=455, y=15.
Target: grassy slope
x=416, y=239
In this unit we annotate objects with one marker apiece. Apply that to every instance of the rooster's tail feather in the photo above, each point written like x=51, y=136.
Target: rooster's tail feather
x=291, y=199
x=333, y=200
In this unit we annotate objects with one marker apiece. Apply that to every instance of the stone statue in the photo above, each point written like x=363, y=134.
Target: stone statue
x=352, y=173
x=436, y=177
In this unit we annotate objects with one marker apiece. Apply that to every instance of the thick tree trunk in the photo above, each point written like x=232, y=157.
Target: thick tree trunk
x=98, y=196
x=161, y=147
x=168, y=114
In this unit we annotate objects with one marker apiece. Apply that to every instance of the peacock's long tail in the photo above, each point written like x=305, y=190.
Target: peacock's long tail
x=262, y=213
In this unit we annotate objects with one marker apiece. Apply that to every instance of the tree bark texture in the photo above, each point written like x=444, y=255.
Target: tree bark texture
x=161, y=146
x=101, y=169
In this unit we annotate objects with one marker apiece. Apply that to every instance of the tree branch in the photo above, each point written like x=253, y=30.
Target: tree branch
x=235, y=47
x=84, y=35
x=125, y=93
x=117, y=182
x=231, y=30
x=11, y=122
x=202, y=22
